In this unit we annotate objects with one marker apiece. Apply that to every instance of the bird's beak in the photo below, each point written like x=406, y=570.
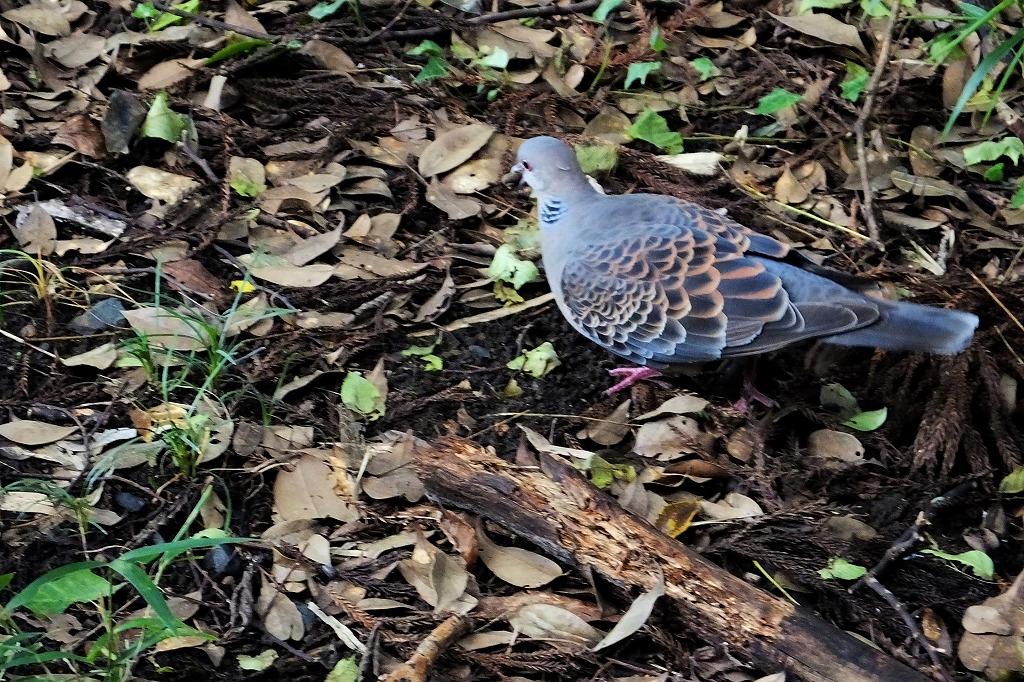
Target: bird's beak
x=515, y=175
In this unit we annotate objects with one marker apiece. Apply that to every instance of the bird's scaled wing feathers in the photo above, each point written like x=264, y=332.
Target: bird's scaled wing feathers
x=661, y=293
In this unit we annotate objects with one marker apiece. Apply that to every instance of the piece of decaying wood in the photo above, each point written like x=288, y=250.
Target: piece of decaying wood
x=561, y=512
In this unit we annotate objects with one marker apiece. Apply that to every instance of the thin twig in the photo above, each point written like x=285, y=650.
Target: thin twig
x=911, y=623
x=867, y=206
x=417, y=668
x=213, y=23
x=484, y=19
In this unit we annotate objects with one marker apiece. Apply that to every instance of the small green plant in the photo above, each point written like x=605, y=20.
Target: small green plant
x=42, y=280
x=188, y=353
x=157, y=20
x=103, y=586
x=985, y=86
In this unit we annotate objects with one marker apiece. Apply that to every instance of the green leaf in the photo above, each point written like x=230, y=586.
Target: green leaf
x=497, y=59
x=776, y=100
x=165, y=20
x=322, y=10
x=145, y=11
x=856, y=80
x=1011, y=147
x=162, y=122
x=840, y=569
x=434, y=68
x=867, y=421
x=1013, y=483
x=976, y=560
x=605, y=8
x=345, y=670
x=996, y=172
x=808, y=5
x=360, y=395
x=55, y=596
x=506, y=266
x=29, y=592
x=603, y=473
x=834, y=396
x=536, y=362
x=428, y=47
x=656, y=42
x=431, y=362
x=5, y=580
x=652, y=127
x=1017, y=200
x=243, y=46
x=639, y=71
x=705, y=67
x=597, y=158
x=874, y=8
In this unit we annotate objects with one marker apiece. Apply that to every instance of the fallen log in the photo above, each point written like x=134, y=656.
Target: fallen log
x=557, y=509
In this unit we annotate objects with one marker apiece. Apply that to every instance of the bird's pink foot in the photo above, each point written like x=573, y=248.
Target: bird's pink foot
x=750, y=396
x=632, y=375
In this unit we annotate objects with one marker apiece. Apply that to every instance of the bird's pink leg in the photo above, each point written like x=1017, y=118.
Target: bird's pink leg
x=632, y=375
x=750, y=393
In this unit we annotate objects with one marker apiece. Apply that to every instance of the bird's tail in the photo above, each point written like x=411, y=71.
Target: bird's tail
x=914, y=327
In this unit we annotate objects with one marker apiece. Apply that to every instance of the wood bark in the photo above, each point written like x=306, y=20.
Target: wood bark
x=557, y=509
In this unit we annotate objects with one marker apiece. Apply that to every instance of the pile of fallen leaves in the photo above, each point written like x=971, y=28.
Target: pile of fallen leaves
x=256, y=256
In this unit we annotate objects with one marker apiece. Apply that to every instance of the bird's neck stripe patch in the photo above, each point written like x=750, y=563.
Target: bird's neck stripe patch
x=551, y=211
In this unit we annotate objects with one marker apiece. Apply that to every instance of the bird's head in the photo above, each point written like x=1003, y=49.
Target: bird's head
x=549, y=166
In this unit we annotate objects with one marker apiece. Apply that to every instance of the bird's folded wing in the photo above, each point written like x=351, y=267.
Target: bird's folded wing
x=661, y=294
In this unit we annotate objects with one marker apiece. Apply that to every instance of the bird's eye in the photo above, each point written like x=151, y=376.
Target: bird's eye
x=527, y=165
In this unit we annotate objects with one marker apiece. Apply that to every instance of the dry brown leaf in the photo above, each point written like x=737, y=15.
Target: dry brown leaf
x=288, y=275
x=159, y=184
x=680, y=404
x=515, y=565
x=610, y=430
x=636, y=616
x=312, y=247
x=461, y=534
x=42, y=18
x=732, y=506
x=544, y=621
x=457, y=207
x=825, y=27
x=439, y=579
x=280, y=616
x=181, y=331
x=993, y=641
x=453, y=148
x=839, y=445
x=30, y=432
x=165, y=74
x=672, y=438
x=35, y=231
x=100, y=357
x=306, y=491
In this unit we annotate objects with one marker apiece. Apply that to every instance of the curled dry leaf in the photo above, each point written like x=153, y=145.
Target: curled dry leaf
x=440, y=580
x=825, y=27
x=461, y=534
x=635, y=617
x=515, y=565
x=453, y=148
x=610, y=430
x=732, y=506
x=680, y=404
x=544, y=621
x=280, y=615
x=672, y=438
